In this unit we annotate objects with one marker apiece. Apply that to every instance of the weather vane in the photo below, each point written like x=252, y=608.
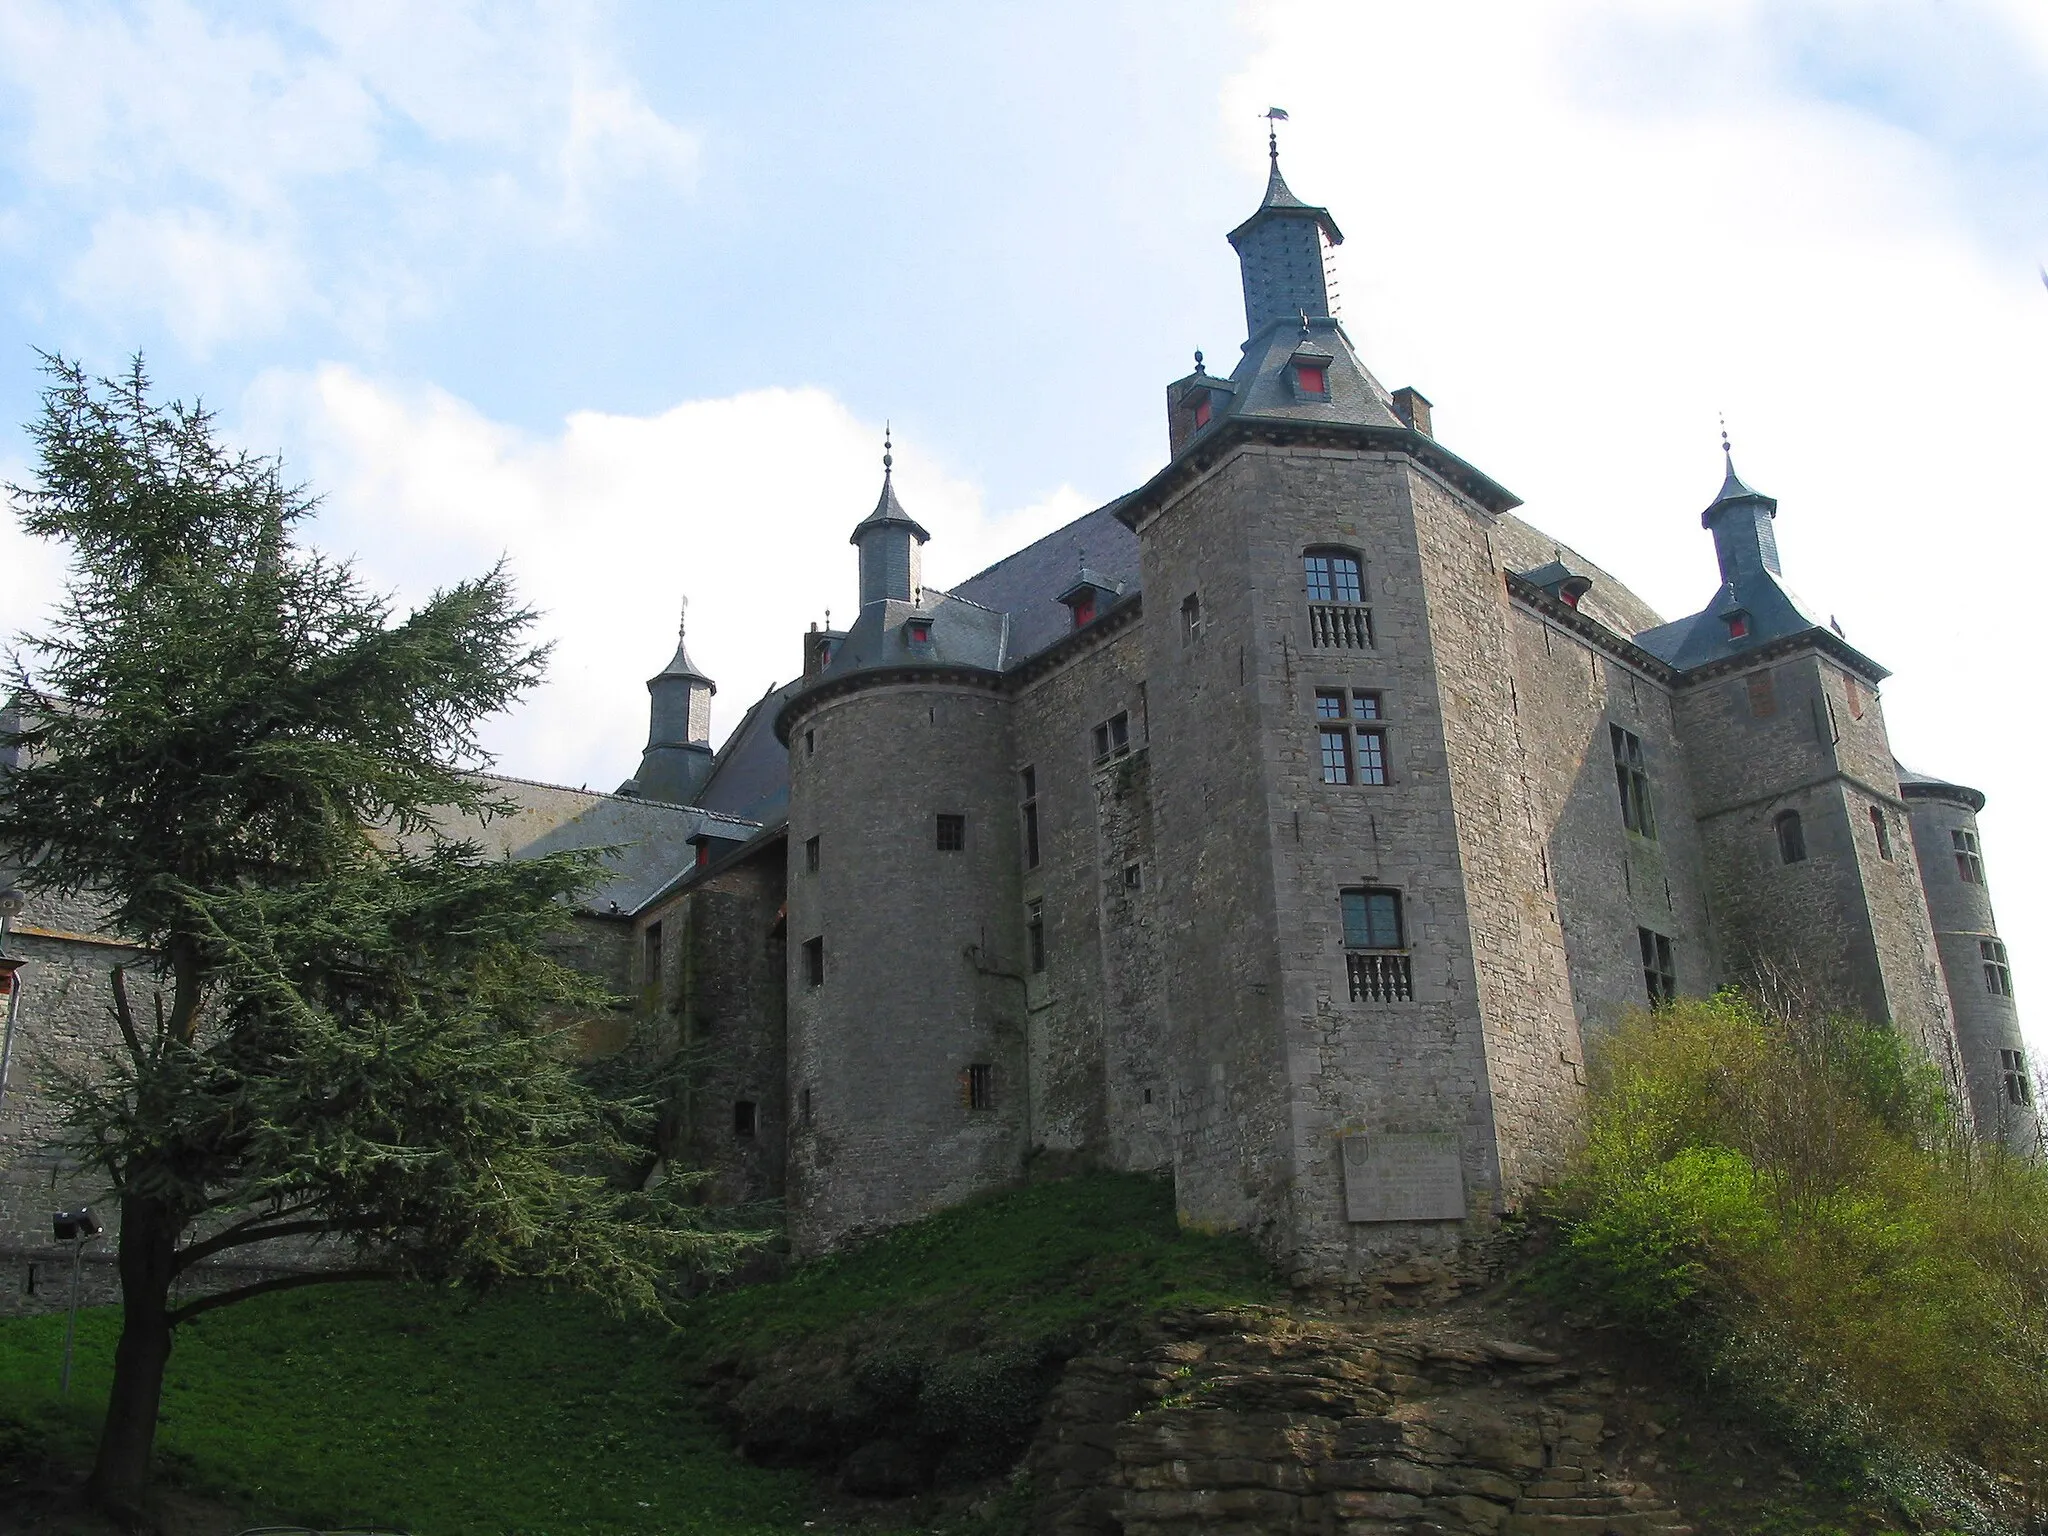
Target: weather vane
x=1274, y=117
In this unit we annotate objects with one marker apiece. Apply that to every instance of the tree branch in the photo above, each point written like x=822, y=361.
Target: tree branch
x=125, y=1016
x=254, y=1230
x=192, y=1309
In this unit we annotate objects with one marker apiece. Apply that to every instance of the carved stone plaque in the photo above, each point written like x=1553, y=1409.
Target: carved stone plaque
x=1403, y=1178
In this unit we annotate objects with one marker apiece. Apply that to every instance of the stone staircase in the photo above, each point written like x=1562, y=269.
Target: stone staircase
x=1259, y=1422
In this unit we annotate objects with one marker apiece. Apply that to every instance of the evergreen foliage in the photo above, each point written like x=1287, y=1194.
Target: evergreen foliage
x=1792, y=1205
x=354, y=1030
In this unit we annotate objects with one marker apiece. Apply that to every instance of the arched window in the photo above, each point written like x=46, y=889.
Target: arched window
x=1334, y=576
x=1791, y=837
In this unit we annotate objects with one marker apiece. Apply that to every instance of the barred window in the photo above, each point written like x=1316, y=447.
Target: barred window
x=1969, y=857
x=980, y=1085
x=651, y=955
x=2019, y=1081
x=1334, y=576
x=1997, y=969
x=952, y=833
x=1660, y=976
x=1634, y=781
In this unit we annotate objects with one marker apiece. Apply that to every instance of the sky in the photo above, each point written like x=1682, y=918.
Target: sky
x=624, y=293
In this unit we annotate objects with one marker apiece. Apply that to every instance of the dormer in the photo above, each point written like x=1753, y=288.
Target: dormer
x=1192, y=403
x=1090, y=597
x=1560, y=581
x=1308, y=371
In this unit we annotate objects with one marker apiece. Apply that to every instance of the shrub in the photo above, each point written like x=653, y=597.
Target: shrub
x=1794, y=1205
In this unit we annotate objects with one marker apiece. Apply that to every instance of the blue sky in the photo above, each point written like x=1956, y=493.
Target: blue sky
x=625, y=292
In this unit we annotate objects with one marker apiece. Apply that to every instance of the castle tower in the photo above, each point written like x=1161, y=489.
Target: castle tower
x=678, y=756
x=1373, y=1012
x=1980, y=989
x=891, y=545
x=1803, y=829
x=907, y=1073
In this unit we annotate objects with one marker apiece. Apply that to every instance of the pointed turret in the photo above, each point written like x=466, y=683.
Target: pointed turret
x=889, y=540
x=1743, y=522
x=678, y=755
x=1282, y=251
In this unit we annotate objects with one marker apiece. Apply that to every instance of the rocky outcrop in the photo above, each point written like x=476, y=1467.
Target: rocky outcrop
x=1270, y=1422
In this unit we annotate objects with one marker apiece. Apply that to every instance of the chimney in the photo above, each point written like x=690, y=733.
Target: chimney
x=1412, y=406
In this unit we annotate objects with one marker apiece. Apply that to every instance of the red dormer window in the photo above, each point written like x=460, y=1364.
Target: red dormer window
x=1084, y=609
x=1738, y=625
x=1203, y=412
x=703, y=854
x=919, y=631
x=1312, y=379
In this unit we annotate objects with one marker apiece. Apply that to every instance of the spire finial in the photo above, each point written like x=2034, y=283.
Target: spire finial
x=683, y=618
x=1727, y=452
x=1198, y=360
x=1274, y=116
x=888, y=453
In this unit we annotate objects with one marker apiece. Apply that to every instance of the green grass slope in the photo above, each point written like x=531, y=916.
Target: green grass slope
x=538, y=1414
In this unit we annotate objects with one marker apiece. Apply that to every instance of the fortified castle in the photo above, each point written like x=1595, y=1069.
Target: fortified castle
x=1290, y=823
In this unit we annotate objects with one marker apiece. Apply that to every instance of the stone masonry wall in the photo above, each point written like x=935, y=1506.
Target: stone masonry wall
x=1100, y=1065
x=921, y=958
x=1524, y=988
x=1987, y=1022
x=718, y=1000
x=1609, y=882
x=1844, y=926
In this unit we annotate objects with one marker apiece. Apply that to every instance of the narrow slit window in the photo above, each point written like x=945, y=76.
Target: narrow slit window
x=1660, y=975
x=650, y=955
x=981, y=1086
x=1190, y=619
x=1883, y=831
x=1027, y=784
x=814, y=962
x=743, y=1119
x=810, y=855
x=1632, y=776
x=1034, y=937
x=1791, y=838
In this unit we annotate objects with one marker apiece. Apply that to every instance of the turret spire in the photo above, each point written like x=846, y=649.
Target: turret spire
x=1281, y=249
x=888, y=539
x=678, y=755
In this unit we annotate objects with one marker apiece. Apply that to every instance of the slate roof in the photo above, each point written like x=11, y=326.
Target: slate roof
x=1280, y=198
x=1028, y=584
x=750, y=778
x=888, y=512
x=963, y=634
x=1921, y=786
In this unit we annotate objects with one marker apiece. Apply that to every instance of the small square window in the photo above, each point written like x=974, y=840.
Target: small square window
x=1034, y=936
x=810, y=855
x=1365, y=706
x=1190, y=619
x=981, y=1086
x=1312, y=379
x=1329, y=703
x=814, y=962
x=743, y=1118
x=1134, y=877
x=952, y=833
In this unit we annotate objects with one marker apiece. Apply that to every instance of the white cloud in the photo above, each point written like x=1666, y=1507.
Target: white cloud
x=434, y=118
x=744, y=504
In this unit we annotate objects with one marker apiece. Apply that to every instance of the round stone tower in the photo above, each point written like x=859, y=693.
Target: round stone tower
x=907, y=1067
x=1951, y=856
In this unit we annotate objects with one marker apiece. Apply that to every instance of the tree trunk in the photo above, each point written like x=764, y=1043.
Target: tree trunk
x=149, y=1245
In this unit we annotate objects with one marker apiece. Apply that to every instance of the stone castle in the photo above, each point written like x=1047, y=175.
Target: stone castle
x=1290, y=823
